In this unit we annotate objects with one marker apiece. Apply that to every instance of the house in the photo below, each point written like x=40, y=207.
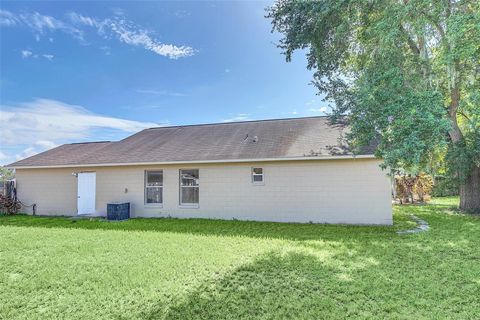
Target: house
x=286, y=170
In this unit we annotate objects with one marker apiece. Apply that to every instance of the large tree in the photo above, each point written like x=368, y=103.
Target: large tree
x=405, y=72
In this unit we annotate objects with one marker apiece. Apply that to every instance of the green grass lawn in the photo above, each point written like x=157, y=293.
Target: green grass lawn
x=205, y=269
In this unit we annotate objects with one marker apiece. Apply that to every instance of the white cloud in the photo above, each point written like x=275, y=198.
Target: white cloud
x=7, y=18
x=29, y=54
x=182, y=14
x=139, y=37
x=313, y=104
x=227, y=70
x=123, y=30
x=321, y=109
x=26, y=53
x=238, y=117
x=28, y=152
x=38, y=23
x=80, y=19
x=44, y=119
x=48, y=56
x=39, y=146
x=291, y=113
x=106, y=50
x=129, y=33
x=45, y=123
x=46, y=144
x=160, y=92
x=2, y=156
x=118, y=11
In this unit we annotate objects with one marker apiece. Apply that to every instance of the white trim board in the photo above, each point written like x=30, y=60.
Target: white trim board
x=196, y=162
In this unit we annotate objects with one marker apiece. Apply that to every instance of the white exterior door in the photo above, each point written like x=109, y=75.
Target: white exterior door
x=86, y=192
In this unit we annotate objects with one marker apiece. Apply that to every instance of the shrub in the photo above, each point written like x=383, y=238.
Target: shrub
x=410, y=188
x=444, y=187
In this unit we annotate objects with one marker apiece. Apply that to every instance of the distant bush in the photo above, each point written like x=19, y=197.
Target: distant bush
x=444, y=187
x=411, y=188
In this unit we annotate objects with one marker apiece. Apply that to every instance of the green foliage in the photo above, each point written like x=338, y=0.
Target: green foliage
x=444, y=186
x=6, y=174
x=462, y=156
x=202, y=269
x=405, y=72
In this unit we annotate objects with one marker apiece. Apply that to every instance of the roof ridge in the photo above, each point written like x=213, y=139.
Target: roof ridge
x=235, y=122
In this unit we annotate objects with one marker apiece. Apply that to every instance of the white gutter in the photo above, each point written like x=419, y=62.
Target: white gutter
x=198, y=162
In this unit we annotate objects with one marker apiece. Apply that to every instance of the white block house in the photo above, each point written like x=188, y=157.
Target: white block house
x=288, y=170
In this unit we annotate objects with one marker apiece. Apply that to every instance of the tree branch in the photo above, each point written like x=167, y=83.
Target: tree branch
x=410, y=41
x=436, y=24
x=455, y=133
x=463, y=114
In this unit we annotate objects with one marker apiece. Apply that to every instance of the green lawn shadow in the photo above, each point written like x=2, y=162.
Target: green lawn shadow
x=298, y=285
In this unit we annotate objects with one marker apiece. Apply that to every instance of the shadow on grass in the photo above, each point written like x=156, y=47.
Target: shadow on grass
x=290, y=286
x=350, y=277
x=293, y=285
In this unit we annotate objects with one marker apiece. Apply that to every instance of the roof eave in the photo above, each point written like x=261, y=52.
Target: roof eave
x=344, y=157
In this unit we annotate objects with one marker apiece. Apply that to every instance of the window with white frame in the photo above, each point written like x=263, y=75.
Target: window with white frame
x=189, y=187
x=257, y=176
x=154, y=187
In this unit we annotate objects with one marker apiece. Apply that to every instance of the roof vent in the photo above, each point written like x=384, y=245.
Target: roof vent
x=255, y=139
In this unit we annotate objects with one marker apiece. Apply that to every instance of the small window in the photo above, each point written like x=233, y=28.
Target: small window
x=154, y=187
x=257, y=175
x=189, y=187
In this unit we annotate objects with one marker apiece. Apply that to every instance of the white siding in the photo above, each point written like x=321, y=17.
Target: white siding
x=324, y=191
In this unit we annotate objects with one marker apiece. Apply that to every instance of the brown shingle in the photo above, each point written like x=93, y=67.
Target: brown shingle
x=264, y=139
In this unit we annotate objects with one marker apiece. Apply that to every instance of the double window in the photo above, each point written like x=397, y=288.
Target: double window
x=189, y=187
x=154, y=187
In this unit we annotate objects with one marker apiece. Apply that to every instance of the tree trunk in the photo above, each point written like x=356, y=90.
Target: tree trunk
x=470, y=188
x=470, y=192
x=455, y=132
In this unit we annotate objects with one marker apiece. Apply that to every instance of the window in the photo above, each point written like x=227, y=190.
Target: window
x=154, y=187
x=257, y=176
x=189, y=189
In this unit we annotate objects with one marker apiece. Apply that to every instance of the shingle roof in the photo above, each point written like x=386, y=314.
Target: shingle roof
x=264, y=139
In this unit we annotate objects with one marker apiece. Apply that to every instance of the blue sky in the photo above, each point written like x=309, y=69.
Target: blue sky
x=86, y=71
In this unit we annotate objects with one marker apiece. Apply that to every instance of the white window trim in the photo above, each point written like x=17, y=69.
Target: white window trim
x=187, y=205
x=252, y=174
x=145, y=187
